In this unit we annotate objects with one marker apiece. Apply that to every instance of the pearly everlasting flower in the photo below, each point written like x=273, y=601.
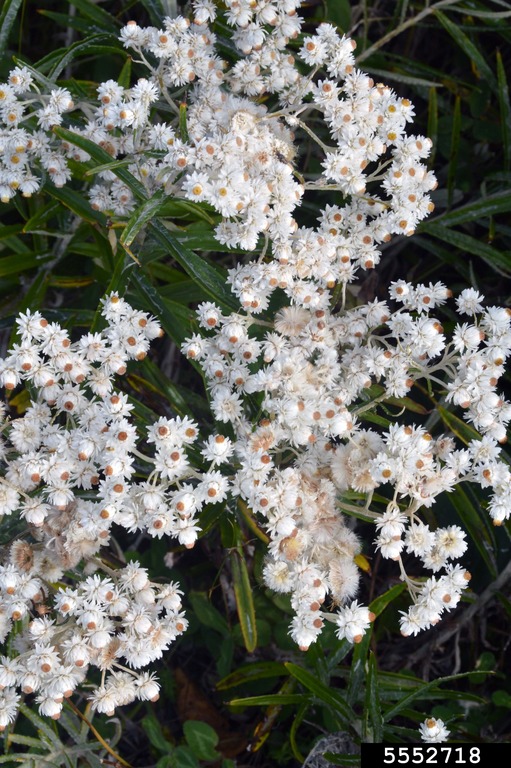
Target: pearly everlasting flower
x=353, y=621
x=433, y=731
x=290, y=388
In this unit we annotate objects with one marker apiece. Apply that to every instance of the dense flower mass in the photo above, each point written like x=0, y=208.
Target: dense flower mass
x=290, y=387
x=68, y=471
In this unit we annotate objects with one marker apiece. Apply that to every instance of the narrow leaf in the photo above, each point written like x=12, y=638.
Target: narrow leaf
x=141, y=216
x=378, y=606
x=323, y=693
x=75, y=202
x=259, y=670
x=101, y=157
x=500, y=261
x=244, y=599
x=457, y=426
x=39, y=220
x=474, y=212
x=373, y=719
x=207, y=614
x=470, y=518
x=96, y=14
x=399, y=77
x=505, y=111
x=7, y=18
x=268, y=699
x=55, y=62
x=455, y=145
x=468, y=47
x=211, y=279
x=423, y=692
x=432, y=123
x=17, y=263
x=175, y=319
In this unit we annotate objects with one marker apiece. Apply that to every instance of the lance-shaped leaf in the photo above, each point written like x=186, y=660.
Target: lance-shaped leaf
x=373, y=720
x=325, y=694
x=244, y=599
x=8, y=15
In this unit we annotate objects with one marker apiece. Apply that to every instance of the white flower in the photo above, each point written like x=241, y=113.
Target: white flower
x=9, y=701
x=433, y=731
x=353, y=621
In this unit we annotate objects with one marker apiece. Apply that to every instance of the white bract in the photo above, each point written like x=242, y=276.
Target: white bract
x=290, y=386
x=433, y=731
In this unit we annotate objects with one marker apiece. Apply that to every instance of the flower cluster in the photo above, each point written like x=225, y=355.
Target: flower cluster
x=291, y=387
x=69, y=465
x=313, y=370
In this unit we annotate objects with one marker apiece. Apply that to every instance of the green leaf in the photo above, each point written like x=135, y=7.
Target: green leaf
x=501, y=699
x=20, y=262
x=505, y=111
x=472, y=522
x=500, y=261
x=75, y=202
x=455, y=147
x=457, y=426
x=432, y=123
x=8, y=230
x=297, y=721
x=378, y=606
x=8, y=15
x=101, y=157
x=244, y=599
x=423, y=692
x=207, y=614
x=202, y=739
x=156, y=9
x=349, y=761
x=124, y=78
x=258, y=670
x=153, y=729
x=400, y=77
x=111, y=166
x=338, y=12
x=268, y=700
x=325, y=694
x=183, y=129
x=42, y=724
x=39, y=220
x=406, y=403
x=469, y=49
x=55, y=62
x=167, y=761
x=96, y=14
x=183, y=758
x=65, y=20
x=208, y=277
x=176, y=320
x=141, y=216
x=373, y=719
x=483, y=208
